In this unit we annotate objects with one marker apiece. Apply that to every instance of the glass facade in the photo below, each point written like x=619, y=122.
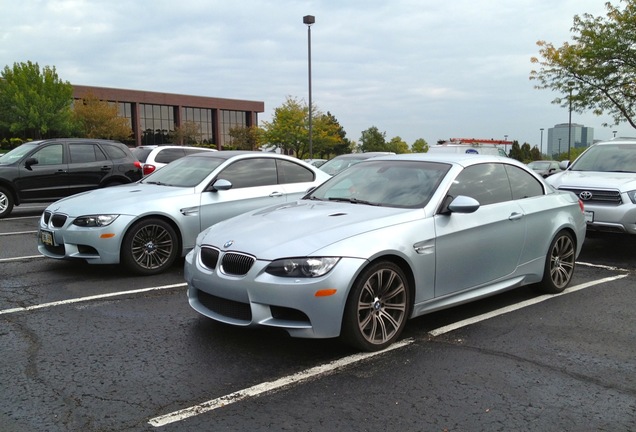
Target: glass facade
x=203, y=118
x=229, y=120
x=156, y=122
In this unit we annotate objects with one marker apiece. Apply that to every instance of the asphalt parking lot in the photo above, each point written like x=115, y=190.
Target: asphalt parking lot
x=92, y=348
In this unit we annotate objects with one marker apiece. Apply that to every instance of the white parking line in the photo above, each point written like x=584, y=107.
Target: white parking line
x=21, y=258
x=331, y=367
x=89, y=298
x=266, y=387
x=521, y=305
x=17, y=232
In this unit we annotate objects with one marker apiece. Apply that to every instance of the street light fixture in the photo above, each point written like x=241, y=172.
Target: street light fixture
x=309, y=20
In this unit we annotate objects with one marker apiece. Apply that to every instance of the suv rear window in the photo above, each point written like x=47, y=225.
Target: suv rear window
x=114, y=152
x=141, y=153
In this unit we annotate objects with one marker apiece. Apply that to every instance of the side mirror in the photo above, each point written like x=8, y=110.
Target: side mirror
x=30, y=161
x=463, y=204
x=564, y=164
x=221, y=184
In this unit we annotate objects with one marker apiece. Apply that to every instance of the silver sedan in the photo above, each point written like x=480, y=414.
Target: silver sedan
x=147, y=225
x=388, y=239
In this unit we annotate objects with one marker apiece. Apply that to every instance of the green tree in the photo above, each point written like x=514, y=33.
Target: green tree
x=99, y=119
x=419, y=146
x=597, y=70
x=332, y=138
x=246, y=138
x=35, y=103
x=188, y=133
x=288, y=129
x=373, y=140
x=398, y=145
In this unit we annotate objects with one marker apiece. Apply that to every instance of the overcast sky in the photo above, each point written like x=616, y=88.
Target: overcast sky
x=412, y=68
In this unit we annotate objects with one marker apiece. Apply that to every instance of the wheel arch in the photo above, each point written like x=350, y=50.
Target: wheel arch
x=12, y=190
x=405, y=267
x=164, y=218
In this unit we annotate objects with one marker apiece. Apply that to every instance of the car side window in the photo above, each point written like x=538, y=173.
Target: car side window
x=114, y=152
x=487, y=183
x=50, y=155
x=290, y=172
x=522, y=183
x=85, y=152
x=251, y=172
x=168, y=155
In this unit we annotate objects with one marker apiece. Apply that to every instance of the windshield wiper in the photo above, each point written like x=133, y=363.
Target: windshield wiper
x=354, y=201
x=157, y=183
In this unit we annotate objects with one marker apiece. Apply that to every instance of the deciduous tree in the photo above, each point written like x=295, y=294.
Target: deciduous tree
x=34, y=102
x=597, y=70
x=246, y=138
x=187, y=133
x=95, y=118
x=373, y=140
x=419, y=146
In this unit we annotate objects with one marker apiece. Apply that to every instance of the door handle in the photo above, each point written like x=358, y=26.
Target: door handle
x=276, y=194
x=515, y=216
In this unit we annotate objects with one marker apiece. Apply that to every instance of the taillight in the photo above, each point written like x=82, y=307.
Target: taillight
x=581, y=205
x=148, y=169
x=138, y=164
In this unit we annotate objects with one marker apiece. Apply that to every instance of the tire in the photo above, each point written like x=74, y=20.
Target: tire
x=150, y=246
x=377, y=307
x=559, y=264
x=6, y=202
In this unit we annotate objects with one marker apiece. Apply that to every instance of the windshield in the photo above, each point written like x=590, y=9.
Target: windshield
x=335, y=165
x=408, y=184
x=188, y=171
x=17, y=153
x=539, y=165
x=607, y=158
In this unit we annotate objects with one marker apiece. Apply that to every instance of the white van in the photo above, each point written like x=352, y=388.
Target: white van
x=467, y=148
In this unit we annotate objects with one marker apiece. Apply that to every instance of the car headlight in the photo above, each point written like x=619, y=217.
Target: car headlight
x=632, y=196
x=95, y=220
x=302, y=267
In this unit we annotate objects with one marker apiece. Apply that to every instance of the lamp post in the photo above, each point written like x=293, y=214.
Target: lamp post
x=309, y=20
x=559, y=146
x=614, y=132
x=570, y=86
x=541, y=145
x=505, y=139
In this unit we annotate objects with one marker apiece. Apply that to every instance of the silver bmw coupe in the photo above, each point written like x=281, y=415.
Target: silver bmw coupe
x=388, y=239
x=149, y=224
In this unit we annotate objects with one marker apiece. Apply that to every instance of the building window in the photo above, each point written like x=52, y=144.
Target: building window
x=229, y=120
x=156, y=122
x=203, y=118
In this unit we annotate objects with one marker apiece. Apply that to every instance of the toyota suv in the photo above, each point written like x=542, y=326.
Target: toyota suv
x=47, y=170
x=604, y=178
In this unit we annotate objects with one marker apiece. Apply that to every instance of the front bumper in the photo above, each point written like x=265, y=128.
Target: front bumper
x=260, y=299
x=619, y=219
x=58, y=238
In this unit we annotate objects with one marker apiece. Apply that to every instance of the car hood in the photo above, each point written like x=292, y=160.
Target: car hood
x=594, y=179
x=302, y=227
x=130, y=199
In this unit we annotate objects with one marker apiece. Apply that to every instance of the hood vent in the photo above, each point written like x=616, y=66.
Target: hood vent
x=338, y=214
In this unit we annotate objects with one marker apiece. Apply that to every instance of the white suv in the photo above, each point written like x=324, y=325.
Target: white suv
x=604, y=178
x=153, y=157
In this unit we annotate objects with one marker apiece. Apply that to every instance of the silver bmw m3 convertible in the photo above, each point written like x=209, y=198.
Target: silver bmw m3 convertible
x=388, y=239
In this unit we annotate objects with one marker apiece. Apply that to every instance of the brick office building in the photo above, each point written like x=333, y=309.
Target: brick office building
x=153, y=115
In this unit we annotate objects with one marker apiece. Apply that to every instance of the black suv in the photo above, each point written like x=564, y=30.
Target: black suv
x=47, y=170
